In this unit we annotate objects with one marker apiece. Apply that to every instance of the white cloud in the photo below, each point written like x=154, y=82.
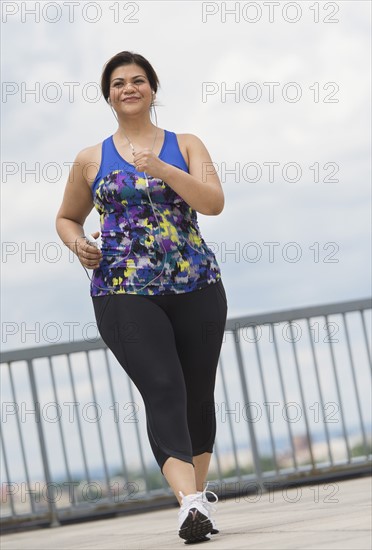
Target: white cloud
x=187, y=52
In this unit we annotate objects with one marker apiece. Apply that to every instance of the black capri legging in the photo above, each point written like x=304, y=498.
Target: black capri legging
x=169, y=346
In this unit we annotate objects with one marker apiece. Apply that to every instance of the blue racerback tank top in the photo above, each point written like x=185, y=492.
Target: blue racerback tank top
x=138, y=256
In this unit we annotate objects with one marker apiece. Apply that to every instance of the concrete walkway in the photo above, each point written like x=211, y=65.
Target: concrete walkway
x=336, y=515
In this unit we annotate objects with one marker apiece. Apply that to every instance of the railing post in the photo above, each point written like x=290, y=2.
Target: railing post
x=252, y=435
x=54, y=522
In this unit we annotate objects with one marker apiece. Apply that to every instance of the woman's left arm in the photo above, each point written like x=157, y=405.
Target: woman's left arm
x=200, y=188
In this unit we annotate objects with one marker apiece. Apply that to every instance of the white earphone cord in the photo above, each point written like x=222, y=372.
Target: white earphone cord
x=112, y=289
x=153, y=209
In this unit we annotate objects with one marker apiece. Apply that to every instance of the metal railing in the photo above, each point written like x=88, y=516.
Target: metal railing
x=292, y=405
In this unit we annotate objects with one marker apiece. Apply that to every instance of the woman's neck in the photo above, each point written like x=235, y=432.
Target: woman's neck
x=135, y=126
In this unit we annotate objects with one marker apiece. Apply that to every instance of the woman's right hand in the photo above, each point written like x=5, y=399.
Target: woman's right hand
x=89, y=256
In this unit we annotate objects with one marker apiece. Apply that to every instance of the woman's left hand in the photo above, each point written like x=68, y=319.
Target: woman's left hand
x=147, y=161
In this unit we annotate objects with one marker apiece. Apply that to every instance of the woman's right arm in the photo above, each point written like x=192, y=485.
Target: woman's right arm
x=76, y=204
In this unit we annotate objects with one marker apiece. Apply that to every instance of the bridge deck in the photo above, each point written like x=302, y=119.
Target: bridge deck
x=334, y=515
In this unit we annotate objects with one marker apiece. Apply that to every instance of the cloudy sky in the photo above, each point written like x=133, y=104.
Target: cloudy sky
x=281, y=99
x=301, y=83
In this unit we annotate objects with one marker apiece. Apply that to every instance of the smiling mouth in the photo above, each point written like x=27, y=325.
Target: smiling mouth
x=131, y=99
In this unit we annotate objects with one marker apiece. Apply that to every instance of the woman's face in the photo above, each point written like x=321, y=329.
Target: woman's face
x=130, y=90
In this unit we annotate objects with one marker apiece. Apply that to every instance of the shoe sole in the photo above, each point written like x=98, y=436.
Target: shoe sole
x=196, y=541
x=195, y=527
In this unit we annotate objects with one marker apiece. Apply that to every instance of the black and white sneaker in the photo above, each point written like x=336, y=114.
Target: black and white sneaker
x=194, y=523
x=210, y=507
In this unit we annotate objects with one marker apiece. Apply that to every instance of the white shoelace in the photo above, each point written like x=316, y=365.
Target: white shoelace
x=210, y=506
x=199, y=496
x=189, y=498
x=205, y=499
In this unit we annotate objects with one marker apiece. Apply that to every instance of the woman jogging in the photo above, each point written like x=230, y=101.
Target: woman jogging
x=156, y=287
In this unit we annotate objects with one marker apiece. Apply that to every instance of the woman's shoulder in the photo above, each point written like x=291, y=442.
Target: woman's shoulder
x=189, y=144
x=88, y=161
x=90, y=153
x=188, y=138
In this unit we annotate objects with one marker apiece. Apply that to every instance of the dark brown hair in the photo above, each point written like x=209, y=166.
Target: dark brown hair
x=127, y=58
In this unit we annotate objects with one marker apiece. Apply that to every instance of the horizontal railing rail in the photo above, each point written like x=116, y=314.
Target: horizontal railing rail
x=292, y=405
